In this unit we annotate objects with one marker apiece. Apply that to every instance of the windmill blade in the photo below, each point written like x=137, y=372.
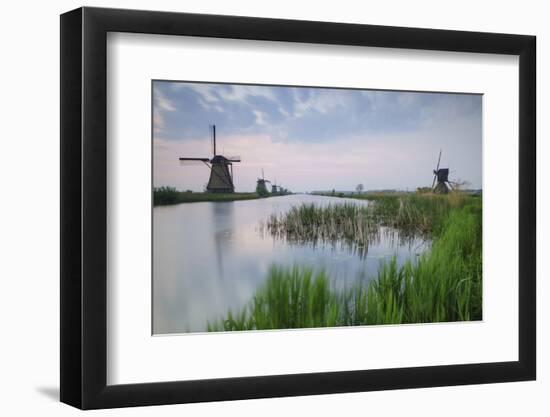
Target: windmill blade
x=433, y=182
x=213, y=127
x=233, y=158
x=194, y=161
x=438, y=161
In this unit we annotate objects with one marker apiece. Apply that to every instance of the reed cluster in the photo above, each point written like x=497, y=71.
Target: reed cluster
x=358, y=225
x=349, y=223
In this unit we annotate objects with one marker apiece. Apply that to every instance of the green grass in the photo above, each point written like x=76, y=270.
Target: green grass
x=444, y=284
x=167, y=195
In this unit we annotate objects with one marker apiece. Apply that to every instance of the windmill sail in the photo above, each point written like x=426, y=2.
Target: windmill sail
x=194, y=161
x=437, y=168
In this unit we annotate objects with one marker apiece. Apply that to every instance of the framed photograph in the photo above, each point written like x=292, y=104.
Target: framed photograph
x=257, y=207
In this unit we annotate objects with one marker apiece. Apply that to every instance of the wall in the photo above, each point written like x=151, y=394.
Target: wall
x=29, y=225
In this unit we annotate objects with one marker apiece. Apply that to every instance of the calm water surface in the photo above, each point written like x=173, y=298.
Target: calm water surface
x=210, y=257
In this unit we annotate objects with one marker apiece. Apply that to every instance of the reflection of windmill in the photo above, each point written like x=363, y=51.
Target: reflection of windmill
x=221, y=169
x=442, y=176
x=223, y=218
x=261, y=188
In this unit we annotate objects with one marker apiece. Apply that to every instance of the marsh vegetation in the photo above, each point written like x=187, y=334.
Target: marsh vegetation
x=443, y=284
x=358, y=225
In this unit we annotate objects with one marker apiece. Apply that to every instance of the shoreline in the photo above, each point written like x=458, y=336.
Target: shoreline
x=182, y=197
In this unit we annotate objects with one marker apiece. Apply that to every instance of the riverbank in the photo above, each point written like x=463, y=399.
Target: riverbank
x=442, y=285
x=164, y=196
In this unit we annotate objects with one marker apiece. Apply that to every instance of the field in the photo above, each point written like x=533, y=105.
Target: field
x=444, y=284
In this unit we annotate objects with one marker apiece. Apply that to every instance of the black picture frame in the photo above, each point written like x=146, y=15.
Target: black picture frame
x=84, y=207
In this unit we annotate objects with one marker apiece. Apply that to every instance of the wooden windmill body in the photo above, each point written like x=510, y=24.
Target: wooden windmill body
x=221, y=169
x=441, y=183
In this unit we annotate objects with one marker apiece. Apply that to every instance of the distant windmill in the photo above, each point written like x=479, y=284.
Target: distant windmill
x=441, y=175
x=261, y=188
x=221, y=169
x=274, y=187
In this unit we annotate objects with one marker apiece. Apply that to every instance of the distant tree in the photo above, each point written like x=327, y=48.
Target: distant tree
x=359, y=188
x=333, y=191
x=460, y=184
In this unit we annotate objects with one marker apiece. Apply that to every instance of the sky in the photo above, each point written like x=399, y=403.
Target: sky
x=311, y=139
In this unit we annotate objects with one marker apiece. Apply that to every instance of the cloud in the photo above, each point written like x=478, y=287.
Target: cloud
x=260, y=117
x=316, y=137
x=244, y=92
x=161, y=104
x=321, y=101
x=221, y=93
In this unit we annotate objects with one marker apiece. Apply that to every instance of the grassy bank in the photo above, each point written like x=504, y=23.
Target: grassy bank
x=163, y=196
x=444, y=284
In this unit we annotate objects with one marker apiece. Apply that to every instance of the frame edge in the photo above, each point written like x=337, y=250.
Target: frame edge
x=83, y=177
x=527, y=207
x=70, y=208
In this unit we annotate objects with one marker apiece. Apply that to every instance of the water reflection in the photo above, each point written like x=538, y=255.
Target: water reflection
x=210, y=257
x=222, y=215
x=375, y=236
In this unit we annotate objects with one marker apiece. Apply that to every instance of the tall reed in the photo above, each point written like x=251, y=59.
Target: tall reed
x=357, y=225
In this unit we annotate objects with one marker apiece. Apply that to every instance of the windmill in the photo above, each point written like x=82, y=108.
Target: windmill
x=221, y=169
x=261, y=188
x=274, y=187
x=442, y=176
